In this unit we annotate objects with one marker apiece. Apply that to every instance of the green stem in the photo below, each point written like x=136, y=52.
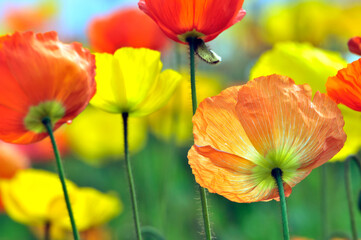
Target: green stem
x=323, y=202
x=47, y=123
x=202, y=191
x=350, y=201
x=191, y=42
x=47, y=230
x=130, y=178
x=277, y=174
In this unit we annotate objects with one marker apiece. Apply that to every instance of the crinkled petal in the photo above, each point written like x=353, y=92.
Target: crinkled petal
x=220, y=111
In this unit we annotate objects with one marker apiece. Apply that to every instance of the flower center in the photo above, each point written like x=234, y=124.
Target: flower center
x=53, y=110
x=284, y=159
x=194, y=34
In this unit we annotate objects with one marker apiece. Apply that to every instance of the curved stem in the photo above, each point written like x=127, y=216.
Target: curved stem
x=277, y=174
x=47, y=123
x=323, y=202
x=130, y=178
x=202, y=191
x=47, y=230
x=350, y=201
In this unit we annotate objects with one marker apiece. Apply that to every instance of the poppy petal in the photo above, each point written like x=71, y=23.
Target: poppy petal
x=220, y=111
x=345, y=87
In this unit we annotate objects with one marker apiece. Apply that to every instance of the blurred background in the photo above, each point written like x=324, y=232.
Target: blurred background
x=169, y=205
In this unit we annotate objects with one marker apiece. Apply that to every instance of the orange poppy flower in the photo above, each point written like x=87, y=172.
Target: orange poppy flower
x=205, y=19
x=345, y=87
x=354, y=45
x=11, y=160
x=246, y=131
x=41, y=77
x=27, y=18
x=125, y=28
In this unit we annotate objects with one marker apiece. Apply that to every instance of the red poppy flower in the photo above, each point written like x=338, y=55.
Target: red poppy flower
x=41, y=77
x=246, y=131
x=345, y=87
x=354, y=45
x=206, y=19
x=125, y=28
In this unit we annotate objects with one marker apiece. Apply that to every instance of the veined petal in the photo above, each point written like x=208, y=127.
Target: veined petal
x=328, y=136
x=288, y=131
x=307, y=64
x=277, y=114
x=159, y=94
x=222, y=173
x=220, y=111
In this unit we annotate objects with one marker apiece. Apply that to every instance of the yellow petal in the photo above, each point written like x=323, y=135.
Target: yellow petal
x=308, y=21
x=29, y=194
x=108, y=73
x=90, y=207
x=301, y=62
x=160, y=93
x=352, y=129
x=140, y=68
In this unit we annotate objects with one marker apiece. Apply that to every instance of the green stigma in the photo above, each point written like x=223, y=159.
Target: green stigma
x=52, y=110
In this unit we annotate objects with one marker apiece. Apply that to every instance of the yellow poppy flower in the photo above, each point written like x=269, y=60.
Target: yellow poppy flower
x=175, y=118
x=35, y=197
x=311, y=21
x=307, y=64
x=131, y=81
x=97, y=136
x=91, y=208
x=29, y=195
